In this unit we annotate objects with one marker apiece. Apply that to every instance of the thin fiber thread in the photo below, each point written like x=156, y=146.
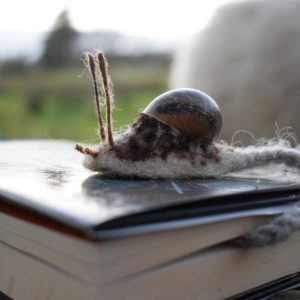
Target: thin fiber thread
x=108, y=95
x=97, y=65
x=91, y=64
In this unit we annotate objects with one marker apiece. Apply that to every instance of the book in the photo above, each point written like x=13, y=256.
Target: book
x=81, y=235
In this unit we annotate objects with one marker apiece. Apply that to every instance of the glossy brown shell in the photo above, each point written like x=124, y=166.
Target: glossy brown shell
x=190, y=111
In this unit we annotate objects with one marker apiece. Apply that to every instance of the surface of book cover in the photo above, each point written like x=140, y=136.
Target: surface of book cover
x=174, y=232
x=47, y=177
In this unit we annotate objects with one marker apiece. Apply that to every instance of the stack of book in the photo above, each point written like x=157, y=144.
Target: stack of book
x=68, y=233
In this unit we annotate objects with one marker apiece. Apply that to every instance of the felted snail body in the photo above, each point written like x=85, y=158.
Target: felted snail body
x=174, y=138
x=175, y=122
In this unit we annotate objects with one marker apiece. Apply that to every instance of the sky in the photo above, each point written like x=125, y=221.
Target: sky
x=23, y=24
x=158, y=18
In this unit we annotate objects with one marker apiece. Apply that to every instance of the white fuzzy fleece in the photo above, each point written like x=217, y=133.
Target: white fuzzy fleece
x=231, y=159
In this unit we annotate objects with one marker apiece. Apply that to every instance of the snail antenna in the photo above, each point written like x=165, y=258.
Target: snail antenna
x=92, y=67
x=108, y=95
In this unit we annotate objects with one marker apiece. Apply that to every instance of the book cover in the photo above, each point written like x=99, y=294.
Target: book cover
x=82, y=235
x=46, y=177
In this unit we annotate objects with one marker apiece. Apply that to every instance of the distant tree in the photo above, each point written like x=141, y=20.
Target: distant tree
x=58, y=47
x=17, y=65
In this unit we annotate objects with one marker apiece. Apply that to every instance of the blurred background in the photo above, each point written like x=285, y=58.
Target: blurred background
x=45, y=91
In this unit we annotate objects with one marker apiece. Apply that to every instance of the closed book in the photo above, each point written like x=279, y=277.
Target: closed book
x=69, y=233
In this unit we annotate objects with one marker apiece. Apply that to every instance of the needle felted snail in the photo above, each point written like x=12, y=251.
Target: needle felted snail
x=174, y=137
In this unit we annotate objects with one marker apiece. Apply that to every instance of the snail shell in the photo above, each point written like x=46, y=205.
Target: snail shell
x=190, y=111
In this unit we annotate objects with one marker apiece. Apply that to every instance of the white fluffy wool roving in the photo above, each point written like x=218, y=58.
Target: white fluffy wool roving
x=247, y=58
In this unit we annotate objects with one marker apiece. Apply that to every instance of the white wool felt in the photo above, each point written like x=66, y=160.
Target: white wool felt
x=232, y=159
